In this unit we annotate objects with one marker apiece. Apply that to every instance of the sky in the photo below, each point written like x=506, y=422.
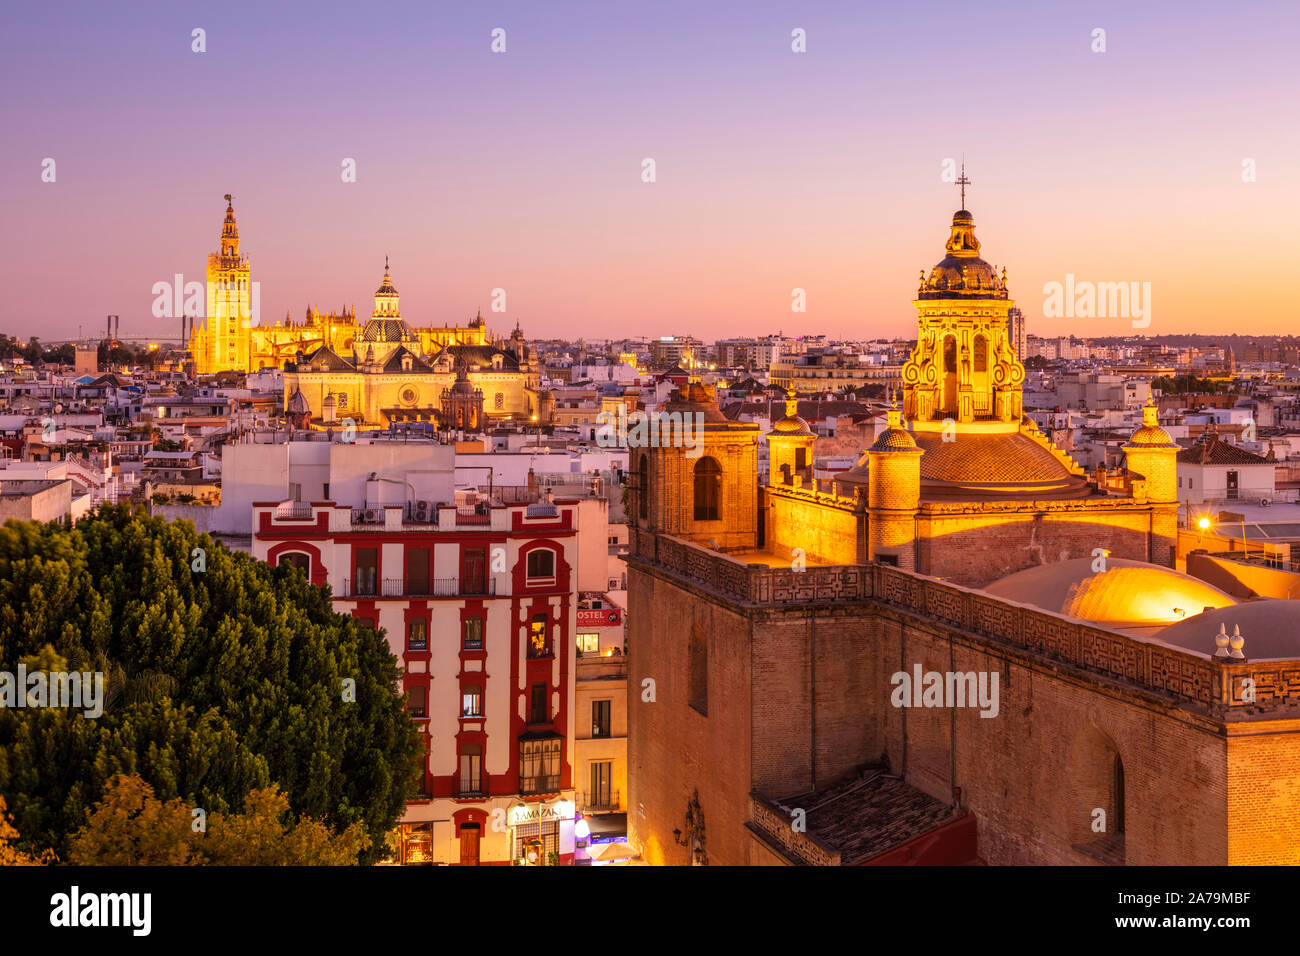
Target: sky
x=774, y=170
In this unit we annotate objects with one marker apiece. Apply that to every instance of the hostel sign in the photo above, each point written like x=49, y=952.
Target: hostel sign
x=600, y=617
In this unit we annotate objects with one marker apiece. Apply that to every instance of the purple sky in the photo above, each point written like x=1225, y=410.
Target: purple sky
x=775, y=170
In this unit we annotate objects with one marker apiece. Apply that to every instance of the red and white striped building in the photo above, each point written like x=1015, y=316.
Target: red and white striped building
x=478, y=600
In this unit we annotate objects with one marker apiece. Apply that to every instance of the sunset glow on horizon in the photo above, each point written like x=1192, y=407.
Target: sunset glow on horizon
x=774, y=170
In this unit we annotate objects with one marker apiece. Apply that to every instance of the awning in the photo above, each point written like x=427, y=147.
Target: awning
x=607, y=826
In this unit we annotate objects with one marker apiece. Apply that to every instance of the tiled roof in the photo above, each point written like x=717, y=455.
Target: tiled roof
x=1216, y=452
x=987, y=458
x=394, y=363
x=862, y=818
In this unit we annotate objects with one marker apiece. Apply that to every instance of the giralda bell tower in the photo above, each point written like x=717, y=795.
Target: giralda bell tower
x=224, y=340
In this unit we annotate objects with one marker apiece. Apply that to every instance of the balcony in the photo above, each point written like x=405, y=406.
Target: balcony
x=609, y=800
x=531, y=786
x=398, y=588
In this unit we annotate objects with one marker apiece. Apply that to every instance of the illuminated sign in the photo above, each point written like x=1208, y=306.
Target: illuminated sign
x=560, y=810
x=602, y=617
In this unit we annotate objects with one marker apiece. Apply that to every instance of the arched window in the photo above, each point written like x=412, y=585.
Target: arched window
x=643, y=486
x=699, y=675
x=708, y=485
x=981, y=354
x=541, y=563
x=295, y=559
x=1119, y=795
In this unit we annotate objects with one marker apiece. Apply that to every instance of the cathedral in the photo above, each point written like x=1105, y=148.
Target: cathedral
x=372, y=372
x=772, y=616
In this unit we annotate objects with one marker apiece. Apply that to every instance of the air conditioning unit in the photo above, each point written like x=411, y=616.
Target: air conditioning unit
x=1264, y=502
x=422, y=511
x=374, y=515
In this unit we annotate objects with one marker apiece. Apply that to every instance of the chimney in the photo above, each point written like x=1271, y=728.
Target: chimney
x=108, y=329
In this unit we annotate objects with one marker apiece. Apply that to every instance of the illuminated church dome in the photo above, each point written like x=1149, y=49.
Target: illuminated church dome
x=1150, y=434
x=1271, y=627
x=1127, y=593
x=962, y=273
x=792, y=424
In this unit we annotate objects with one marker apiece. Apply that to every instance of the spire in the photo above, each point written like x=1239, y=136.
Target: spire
x=791, y=404
x=229, y=231
x=963, y=182
x=1150, y=414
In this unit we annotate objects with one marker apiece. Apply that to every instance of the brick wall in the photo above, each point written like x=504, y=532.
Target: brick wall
x=800, y=695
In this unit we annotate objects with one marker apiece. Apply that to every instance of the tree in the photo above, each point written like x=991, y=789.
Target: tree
x=216, y=682
x=11, y=855
x=130, y=826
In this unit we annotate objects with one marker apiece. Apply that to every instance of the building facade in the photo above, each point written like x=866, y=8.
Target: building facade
x=478, y=603
x=773, y=627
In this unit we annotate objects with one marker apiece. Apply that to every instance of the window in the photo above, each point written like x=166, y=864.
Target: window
x=471, y=699
x=588, y=643
x=600, y=718
x=539, y=765
x=417, y=700
x=539, y=711
x=417, y=570
x=367, y=623
x=1119, y=795
x=541, y=563
x=499, y=401
x=471, y=769
x=981, y=354
x=473, y=634
x=699, y=671
x=367, y=570
x=949, y=354
x=601, y=774
x=643, y=480
x=417, y=635
x=296, y=559
x=708, y=481
x=539, y=638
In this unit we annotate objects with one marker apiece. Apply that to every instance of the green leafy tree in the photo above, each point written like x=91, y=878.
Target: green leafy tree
x=217, y=683
x=130, y=826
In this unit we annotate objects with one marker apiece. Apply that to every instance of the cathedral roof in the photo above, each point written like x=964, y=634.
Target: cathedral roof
x=298, y=403
x=962, y=274
x=1007, y=457
x=983, y=466
x=481, y=355
x=394, y=363
x=324, y=359
x=386, y=330
x=1125, y=593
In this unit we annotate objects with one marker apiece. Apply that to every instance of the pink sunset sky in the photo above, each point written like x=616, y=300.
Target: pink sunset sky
x=522, y=170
